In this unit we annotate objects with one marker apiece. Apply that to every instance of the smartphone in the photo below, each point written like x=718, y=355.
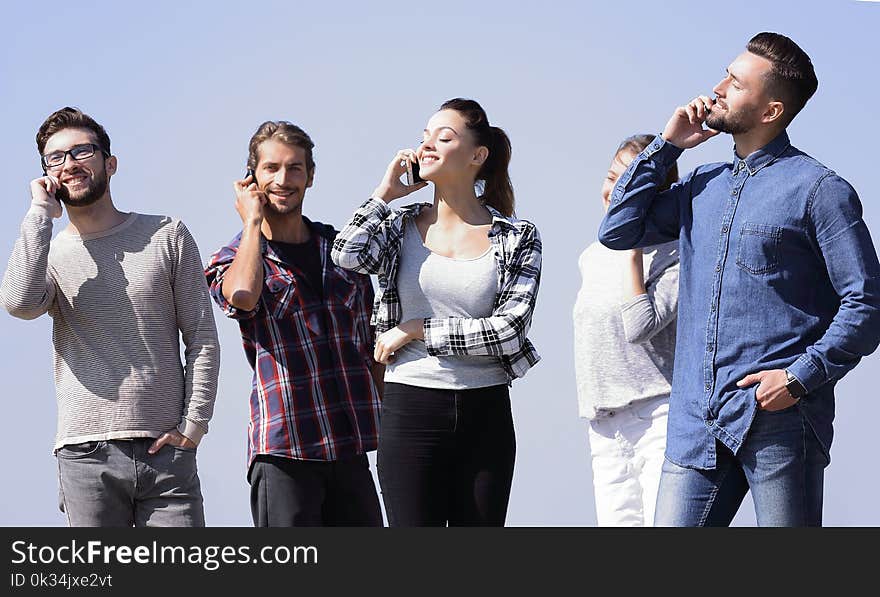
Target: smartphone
x=412, y=173
x=253, y=176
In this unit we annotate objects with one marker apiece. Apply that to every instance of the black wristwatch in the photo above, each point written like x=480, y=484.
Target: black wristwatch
x=794, y=387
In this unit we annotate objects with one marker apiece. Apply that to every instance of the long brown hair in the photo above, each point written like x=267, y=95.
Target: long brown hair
x=497, y=191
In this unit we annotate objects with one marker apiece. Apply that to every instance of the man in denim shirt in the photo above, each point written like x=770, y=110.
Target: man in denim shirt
x=779, y=295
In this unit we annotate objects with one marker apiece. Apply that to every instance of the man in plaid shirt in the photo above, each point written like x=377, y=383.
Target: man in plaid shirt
x=305, y=326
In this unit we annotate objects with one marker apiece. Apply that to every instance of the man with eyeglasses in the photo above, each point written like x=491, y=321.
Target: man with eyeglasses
x=121, y=289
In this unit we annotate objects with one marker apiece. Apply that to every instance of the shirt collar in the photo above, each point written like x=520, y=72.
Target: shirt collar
x=764, y=156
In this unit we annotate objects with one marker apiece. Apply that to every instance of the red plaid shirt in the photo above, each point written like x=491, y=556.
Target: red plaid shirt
x=313, y=395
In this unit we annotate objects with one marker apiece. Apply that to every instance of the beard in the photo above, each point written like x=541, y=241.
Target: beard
x=732, y=123
x=84, y=196
x=280, y=211
x=277, y=210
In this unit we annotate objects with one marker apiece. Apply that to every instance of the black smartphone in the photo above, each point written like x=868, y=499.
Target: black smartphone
x=253, y=176
x=412, y=173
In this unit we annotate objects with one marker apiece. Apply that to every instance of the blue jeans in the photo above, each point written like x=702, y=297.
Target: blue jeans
x=117, y=483
x=781, y=462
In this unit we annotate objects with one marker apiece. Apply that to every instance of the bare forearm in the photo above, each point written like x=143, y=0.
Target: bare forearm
x=243, y=281
x=635, y=276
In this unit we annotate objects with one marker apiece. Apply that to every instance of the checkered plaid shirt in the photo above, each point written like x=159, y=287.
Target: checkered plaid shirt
x=313, y=396
x=370, y=243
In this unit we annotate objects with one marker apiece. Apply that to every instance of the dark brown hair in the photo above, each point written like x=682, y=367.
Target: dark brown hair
x=792, y=79
x=637, y=144
x=71, y=118
x=497, y=190
x=283, y=131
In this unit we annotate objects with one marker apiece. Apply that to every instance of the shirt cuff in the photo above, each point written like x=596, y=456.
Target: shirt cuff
x=229, y=310
x=376, y=204
x=810, y=376
x=191, y=431
x=663, y=152
x=436, y=332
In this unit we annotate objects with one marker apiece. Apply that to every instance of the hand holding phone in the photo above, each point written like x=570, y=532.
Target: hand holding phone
x=685, y=127
x=249, y=201
x=45, y=193
x=392, y=187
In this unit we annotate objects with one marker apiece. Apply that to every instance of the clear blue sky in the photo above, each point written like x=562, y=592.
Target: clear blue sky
x=180, y=86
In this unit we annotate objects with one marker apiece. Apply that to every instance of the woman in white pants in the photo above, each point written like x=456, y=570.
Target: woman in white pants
x=624, y=324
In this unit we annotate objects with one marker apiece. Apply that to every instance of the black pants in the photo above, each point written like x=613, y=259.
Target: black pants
x=446, y=456
x=297, y=493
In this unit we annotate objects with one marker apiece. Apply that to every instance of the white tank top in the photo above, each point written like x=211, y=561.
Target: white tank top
x=431, y=285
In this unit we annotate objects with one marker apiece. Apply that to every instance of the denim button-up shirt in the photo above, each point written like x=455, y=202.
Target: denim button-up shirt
x=778, y=271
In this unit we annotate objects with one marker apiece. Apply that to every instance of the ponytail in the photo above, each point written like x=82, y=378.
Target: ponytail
x=496, y=189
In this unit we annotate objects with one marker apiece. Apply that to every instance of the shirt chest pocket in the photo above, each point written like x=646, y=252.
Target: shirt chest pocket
x=280, y=297
x=341, y=288
x=759, y=248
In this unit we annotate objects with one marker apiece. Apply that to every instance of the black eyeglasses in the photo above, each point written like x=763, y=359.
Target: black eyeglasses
x=83, y=151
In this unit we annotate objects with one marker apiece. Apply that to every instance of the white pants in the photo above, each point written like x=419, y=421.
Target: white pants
x=627, y=446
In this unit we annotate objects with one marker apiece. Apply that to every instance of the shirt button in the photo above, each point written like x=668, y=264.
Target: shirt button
x=734, y=192
x=709, y=422
x=712, y=307
x=708, y=386
x=709, y=347
x=724, y=230
x=718, y=268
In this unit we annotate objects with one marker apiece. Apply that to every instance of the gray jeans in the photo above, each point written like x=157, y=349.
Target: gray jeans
x=117, y=483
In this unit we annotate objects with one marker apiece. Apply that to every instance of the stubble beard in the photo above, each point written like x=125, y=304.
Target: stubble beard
x=96, y=189
x=282, y=211
x=732, y=123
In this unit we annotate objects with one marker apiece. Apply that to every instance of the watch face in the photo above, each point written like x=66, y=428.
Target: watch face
x=794, y=387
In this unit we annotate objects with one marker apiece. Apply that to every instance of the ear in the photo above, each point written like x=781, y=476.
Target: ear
x=480, y=155
x=110, y=165
x=773, y=112
x=311, y=178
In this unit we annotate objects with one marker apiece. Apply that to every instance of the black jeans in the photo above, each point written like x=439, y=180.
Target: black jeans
x=295, y=493
x=446, y=456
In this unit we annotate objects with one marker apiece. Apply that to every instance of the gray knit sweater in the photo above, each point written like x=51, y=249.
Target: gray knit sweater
x=624, y=346
x=120, y=301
